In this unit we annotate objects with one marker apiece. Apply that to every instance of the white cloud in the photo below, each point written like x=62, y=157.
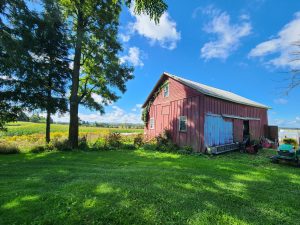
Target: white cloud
x=228, y=35
x=245, y=16
x=97, y=98
x=4, y=77
x=281, y=47
x=164, y=33
x=281, y=101
x=61, y=118
x=116, y=115
x=124, y=37
x=293, y=123
x=133, y=57
x=138, y=107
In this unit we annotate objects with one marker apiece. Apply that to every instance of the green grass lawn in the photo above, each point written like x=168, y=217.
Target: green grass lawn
x=145, y=187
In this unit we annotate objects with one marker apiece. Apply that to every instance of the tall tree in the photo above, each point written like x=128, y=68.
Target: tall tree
x=8, y=113
x=153, y=8
x=294, y=80
x=50, y=61
x=96, y=66
x=34, y=66
x=12, y=56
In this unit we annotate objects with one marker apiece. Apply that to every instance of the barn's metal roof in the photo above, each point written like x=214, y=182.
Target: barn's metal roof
x=210, y=91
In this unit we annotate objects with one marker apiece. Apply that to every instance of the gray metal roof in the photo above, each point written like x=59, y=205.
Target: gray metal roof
x=211, y=91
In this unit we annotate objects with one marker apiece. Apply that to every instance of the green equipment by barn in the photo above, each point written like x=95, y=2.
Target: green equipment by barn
x=287, y=152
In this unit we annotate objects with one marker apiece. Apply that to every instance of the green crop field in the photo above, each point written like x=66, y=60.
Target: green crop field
x=26, y=128
x=146, y=187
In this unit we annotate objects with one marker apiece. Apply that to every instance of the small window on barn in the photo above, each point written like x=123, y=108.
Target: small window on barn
x=152, y=123
x=166, y=90
x=182, y=123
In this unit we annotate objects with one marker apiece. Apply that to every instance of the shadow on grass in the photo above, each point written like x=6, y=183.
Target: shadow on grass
x=141, y=187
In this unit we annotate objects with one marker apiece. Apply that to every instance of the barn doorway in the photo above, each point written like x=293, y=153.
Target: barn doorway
x=246, y=129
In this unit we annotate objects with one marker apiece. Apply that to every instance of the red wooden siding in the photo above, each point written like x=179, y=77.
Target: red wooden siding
x=185, y=101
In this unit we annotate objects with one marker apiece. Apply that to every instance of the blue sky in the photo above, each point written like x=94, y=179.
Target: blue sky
x=242, y=46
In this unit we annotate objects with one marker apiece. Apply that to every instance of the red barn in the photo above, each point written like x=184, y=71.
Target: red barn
x=201, y=116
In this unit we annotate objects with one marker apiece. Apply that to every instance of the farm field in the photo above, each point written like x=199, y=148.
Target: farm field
x=147, y=187
x=27, y=135
x=26, y=128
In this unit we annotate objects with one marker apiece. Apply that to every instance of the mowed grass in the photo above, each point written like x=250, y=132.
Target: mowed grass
x=27, y=128
x=145, y=187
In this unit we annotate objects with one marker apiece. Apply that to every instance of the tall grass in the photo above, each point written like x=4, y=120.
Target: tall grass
x=8, y=149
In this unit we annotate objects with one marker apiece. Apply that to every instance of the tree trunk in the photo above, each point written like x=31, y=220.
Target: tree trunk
x=48, y=121
x=49, y=107
x=74, y=100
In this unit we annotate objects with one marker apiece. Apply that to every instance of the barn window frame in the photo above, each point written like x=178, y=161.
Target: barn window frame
x=166, y=90
x=182, y=120
x=152, y=123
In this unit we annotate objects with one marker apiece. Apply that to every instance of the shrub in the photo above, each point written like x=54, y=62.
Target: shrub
x=128, y=138
x=188, y=148
x=171, y=147
x=138, y=141
x=110, y=141
x=100, y=144
x=63, y=145
x=150, y=145
x=113, y=140
x=50, y=146
x=8, y=149
x=38, y=149
x=290, y=141
x=82, y=143
x=43, y=148
x=165, y=143
x=128, y=147
x=163, y=138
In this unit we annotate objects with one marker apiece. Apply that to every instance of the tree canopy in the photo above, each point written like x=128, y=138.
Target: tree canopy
x=50, y=54
x=13, y=57
x=33, y=51
x=97, y=69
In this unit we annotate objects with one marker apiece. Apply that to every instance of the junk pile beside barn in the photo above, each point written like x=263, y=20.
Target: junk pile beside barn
x=293, y=133
x=203, y=117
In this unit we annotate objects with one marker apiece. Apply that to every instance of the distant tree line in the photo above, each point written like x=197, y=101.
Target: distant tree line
x=120, y=125
x=34, y=118
x=49, y=48
x=37, y=118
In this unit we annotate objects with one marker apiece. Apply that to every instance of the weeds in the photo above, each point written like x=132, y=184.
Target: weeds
x=8, y=149
x=113, y=140
x=165, y=143
x=27, y=128
x=138, y=141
